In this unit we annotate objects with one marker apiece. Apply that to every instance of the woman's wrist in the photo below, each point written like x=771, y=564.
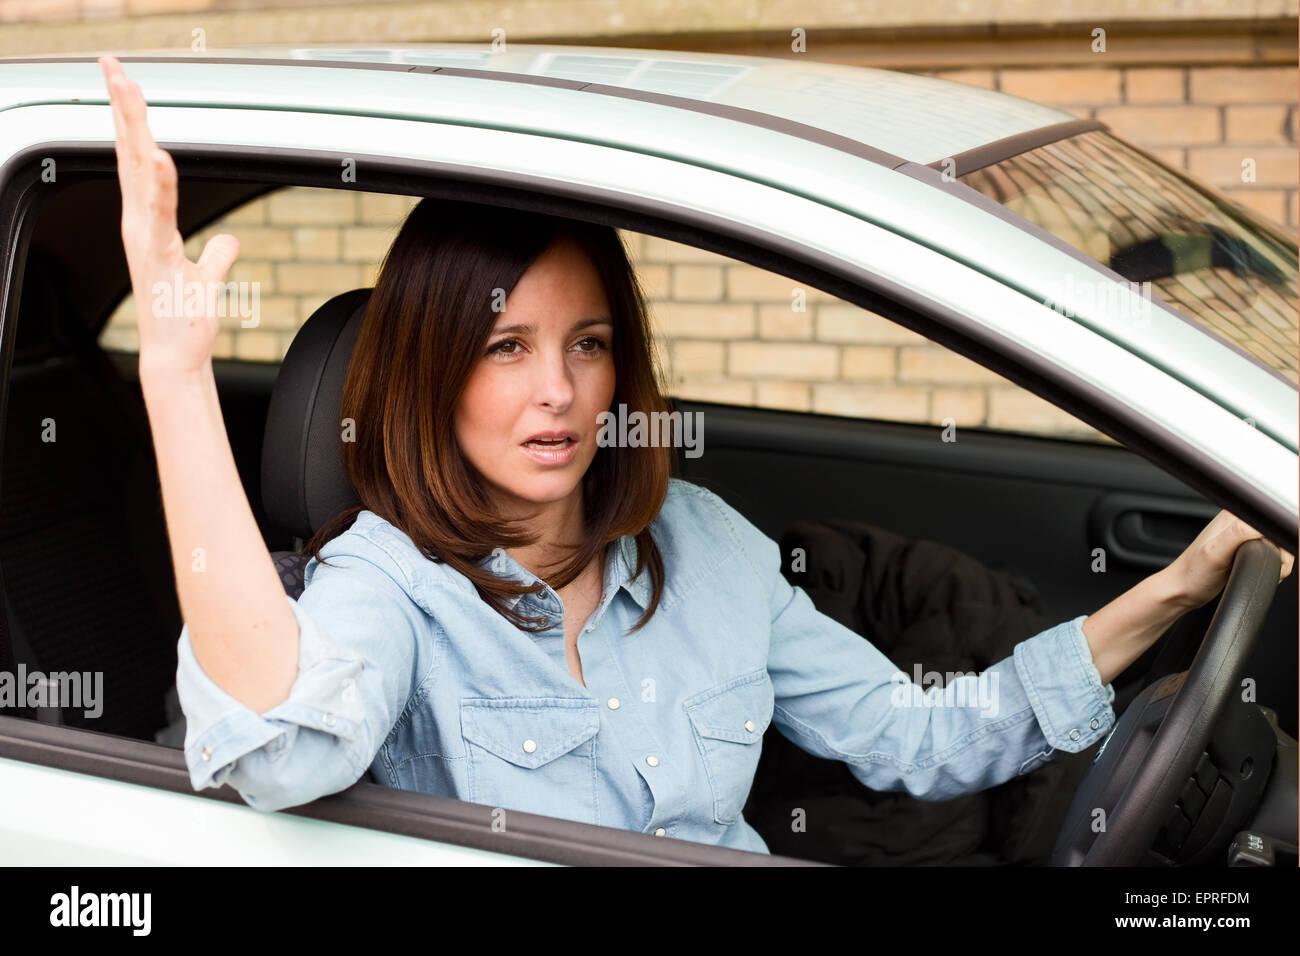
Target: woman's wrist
x=1174, y=584
x=160, y=372
x=1120, y=632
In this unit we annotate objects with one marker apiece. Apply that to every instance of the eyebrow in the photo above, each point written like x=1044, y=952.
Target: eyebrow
x=523, y=329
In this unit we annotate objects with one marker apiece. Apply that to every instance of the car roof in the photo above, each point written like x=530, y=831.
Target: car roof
x=897, y=116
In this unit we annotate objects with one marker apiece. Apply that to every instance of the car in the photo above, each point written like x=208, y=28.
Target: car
x=1023, y=240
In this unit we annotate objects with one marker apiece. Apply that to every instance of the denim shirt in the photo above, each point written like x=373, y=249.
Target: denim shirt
x=405, y=670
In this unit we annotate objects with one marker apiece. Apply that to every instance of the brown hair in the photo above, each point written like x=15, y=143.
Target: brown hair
x=426, y=325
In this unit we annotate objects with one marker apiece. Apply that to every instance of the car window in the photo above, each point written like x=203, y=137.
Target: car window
x=1216, y=261
x=727, y=331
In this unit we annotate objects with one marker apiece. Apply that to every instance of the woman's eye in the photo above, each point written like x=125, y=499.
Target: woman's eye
x=588, y=346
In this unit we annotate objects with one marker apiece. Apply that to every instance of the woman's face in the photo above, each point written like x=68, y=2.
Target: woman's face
x=547, y=370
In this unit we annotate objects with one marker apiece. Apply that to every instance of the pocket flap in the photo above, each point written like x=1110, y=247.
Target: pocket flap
x=529, y=731
x=739, y=710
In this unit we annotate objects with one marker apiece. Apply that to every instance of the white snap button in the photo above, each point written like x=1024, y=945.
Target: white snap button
x=1095, y=723
x=652, y=760
x=660, y=832
x=207, y=753
x=329, y=720
x=749, y=725
x=613, y=703
x=530, y=746
x=1074, y=734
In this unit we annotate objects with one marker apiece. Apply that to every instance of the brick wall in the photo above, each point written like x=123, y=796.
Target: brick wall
x=725, y=331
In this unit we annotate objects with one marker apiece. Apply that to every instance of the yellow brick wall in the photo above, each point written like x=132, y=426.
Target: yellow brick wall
x=725, y=331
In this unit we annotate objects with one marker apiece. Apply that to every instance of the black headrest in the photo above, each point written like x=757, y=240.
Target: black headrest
x=303, y=482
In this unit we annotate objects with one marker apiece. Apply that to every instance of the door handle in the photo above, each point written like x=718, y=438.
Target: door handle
x=1146, y=530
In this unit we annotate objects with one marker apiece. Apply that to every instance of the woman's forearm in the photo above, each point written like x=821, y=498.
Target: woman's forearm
x=243, y=631
x=1121, y=631
x=1128, y=625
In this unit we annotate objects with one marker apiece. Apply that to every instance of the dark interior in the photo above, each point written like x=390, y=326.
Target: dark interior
x=83, y=548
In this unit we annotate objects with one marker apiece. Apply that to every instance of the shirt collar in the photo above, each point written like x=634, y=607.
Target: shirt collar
x=619, y=565
x=639, y=587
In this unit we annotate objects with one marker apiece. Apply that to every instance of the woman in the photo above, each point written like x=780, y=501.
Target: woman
x=520, y=615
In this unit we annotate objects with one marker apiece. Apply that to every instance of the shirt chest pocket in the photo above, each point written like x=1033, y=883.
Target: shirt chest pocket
x=536, y=754
x=729, y=722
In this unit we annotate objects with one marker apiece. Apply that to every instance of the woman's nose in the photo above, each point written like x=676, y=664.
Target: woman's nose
x=553, y=386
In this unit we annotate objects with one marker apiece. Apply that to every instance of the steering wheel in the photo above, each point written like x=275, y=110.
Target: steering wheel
x=1136, y=784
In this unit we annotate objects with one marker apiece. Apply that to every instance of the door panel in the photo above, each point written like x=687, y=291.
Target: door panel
x=55, y=817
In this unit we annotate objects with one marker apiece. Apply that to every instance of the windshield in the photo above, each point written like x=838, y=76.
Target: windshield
x=1215, y=261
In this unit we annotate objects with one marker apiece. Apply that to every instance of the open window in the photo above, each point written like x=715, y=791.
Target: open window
x=821, y=400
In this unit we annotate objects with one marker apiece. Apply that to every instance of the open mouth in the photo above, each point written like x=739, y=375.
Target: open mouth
x=554, y=448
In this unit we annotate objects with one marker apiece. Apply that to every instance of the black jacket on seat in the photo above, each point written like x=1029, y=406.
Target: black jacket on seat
x=918, y=602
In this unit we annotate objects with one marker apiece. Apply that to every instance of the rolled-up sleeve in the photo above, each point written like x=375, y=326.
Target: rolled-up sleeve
x=358, y=633
x=839, y=697
x=1064, y=688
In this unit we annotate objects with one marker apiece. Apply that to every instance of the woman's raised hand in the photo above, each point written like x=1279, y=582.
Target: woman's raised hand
x=161, y=276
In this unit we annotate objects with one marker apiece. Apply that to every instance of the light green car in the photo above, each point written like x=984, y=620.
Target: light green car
x=1035, y=243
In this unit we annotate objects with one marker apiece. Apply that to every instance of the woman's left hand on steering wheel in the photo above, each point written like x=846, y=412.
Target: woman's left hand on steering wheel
x=1203, y=567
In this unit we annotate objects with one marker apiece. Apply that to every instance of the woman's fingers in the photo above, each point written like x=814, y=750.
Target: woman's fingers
x=146, y=173
x=113, y=78
x=129, y=110
x=164, y=237
x=218, y=256
x=1247, y=533
x=1288, y=562
x=134, y=143
x=126, y=101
